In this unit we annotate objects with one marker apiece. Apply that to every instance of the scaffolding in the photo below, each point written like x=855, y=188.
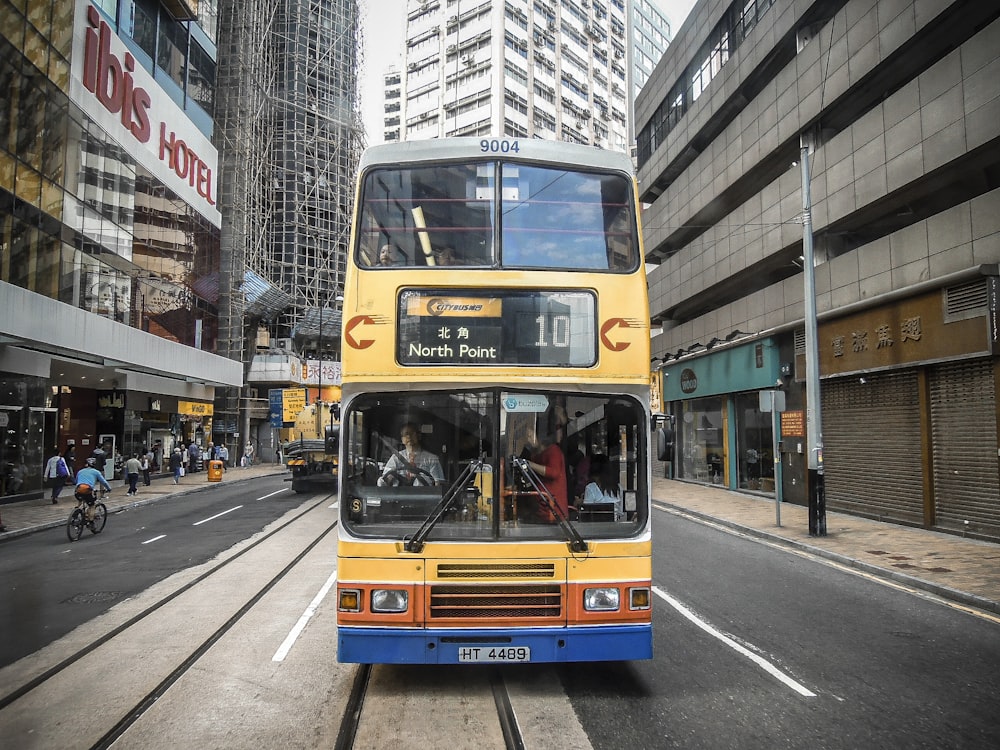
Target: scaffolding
x=317, y=142
x=290, y=139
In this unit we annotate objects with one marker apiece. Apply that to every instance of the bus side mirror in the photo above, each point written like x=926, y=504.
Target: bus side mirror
x=331, y=440
x=665, y=444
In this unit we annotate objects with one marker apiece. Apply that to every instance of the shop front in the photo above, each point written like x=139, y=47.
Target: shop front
x=909, y=405
x=722, y=435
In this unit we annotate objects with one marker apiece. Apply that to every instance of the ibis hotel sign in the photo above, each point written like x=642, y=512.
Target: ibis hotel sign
x=113, y=89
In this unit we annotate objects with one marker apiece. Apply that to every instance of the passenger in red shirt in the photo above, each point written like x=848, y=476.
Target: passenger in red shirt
x=548, y=462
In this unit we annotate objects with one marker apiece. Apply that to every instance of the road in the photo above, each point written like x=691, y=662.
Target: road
x=888, y=667
x=51, y=585
x=755, y=647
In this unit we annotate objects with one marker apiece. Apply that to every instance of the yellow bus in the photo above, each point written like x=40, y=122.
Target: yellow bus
x=494, y=464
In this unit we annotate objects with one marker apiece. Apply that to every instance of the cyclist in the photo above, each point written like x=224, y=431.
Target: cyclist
x=86, y=479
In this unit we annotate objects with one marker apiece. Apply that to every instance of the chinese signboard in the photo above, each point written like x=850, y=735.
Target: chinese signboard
x=293, y=400
x=911, y=331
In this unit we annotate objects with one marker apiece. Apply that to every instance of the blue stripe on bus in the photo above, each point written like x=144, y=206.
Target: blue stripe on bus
x=441, y=646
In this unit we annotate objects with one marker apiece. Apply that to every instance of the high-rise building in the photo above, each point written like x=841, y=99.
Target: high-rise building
x=109, y=230
x=557, y=69
x=287, y=101
x=897, y=106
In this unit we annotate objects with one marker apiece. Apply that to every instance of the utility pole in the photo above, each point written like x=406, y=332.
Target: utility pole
x=814, y=418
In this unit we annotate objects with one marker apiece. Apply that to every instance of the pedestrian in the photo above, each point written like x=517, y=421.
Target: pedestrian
x=248, y=454
x=56, y=472
x=177, y=464
x=194, y=454
x=145, y=464
x=132, y=468
x=224, y=456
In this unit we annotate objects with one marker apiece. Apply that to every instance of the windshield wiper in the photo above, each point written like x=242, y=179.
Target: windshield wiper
x=416, y=542
x=576, y=542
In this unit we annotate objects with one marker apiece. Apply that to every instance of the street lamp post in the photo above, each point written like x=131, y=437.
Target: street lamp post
x=814, y=419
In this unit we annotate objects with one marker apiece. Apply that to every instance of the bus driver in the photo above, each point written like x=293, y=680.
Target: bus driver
x=413, y=465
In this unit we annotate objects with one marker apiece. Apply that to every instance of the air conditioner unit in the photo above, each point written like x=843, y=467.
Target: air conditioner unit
x=452, y=20
x=468, y=59
x=552, y=25
x=423, y=115
x=285, y=344
x=452, y=49
x=252, y=393
x=411, y=66
x=619, y=54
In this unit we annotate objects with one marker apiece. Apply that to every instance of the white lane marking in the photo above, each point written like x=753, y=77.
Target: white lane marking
x=296, y=631
x=217, y=515
x=272, y=494
x=155, y=539
x=336, y=504
x=755, y=658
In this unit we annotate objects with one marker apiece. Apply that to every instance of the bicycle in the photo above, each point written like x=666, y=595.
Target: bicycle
x=90, y=512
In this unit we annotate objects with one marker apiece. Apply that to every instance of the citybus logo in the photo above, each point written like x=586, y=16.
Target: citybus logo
x=689, y=381
x=442, y=307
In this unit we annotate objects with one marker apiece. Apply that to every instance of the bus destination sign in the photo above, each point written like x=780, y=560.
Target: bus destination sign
x=530, y=328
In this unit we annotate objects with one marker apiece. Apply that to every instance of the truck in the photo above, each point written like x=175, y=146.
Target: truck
x=311, y=453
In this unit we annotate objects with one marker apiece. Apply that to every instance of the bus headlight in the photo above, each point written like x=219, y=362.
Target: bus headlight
x=601, y=600
x=390, y=600
x=350, y=600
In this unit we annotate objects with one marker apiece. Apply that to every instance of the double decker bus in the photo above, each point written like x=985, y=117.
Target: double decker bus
x=495, y=373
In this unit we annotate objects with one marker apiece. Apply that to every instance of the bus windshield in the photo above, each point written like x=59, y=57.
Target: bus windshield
x=493, y=464
x=497, y=215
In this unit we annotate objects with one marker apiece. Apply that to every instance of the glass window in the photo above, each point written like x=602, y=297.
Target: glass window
x=427, y=216
x=493, y=465
x=702, y=441
x=201, y=77
x=754, y=435
x=561, y=219
x=172, y=48
x=143, y=29
x=549, y=217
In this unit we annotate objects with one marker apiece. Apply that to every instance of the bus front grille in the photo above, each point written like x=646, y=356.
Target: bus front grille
x=496, y=602
x=496, y=571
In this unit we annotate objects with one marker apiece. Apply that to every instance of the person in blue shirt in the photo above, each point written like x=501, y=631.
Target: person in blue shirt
x=89, y=475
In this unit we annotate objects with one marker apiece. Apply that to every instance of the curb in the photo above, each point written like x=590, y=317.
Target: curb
x=945, y=592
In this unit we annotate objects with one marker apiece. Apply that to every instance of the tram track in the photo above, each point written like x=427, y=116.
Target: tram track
x=486, y=682
x=301, y=540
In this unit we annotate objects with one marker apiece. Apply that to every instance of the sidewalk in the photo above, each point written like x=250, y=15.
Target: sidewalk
x=962, y=570
x=35, y=515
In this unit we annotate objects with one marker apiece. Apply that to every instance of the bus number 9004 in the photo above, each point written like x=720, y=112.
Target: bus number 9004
x=495, y=146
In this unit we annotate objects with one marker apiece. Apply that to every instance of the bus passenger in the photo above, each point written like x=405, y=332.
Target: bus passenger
x=548, y=462
x=602, y=487
x=417, y=466
x=385, y=255
x=445, y=257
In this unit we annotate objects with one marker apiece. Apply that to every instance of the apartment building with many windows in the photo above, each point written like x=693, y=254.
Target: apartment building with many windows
x=898, y=106
x=555, y=69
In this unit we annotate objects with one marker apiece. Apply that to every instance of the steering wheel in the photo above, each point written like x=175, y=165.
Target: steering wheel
x=407, y=475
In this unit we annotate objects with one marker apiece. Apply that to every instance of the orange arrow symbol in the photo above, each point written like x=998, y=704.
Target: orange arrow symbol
x=614, y=323
x=353, y=323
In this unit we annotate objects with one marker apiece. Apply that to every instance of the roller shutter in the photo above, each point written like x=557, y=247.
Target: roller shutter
x=871, y=446
x=964, y=428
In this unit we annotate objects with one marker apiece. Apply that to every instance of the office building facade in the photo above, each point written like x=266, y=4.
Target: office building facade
x=109, y=225
x=897, y=106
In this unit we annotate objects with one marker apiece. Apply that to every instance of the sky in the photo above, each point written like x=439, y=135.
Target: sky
x=383, y=23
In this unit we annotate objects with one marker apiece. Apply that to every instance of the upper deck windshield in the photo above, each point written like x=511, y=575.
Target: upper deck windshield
x=493, y=214
x=493, y=464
